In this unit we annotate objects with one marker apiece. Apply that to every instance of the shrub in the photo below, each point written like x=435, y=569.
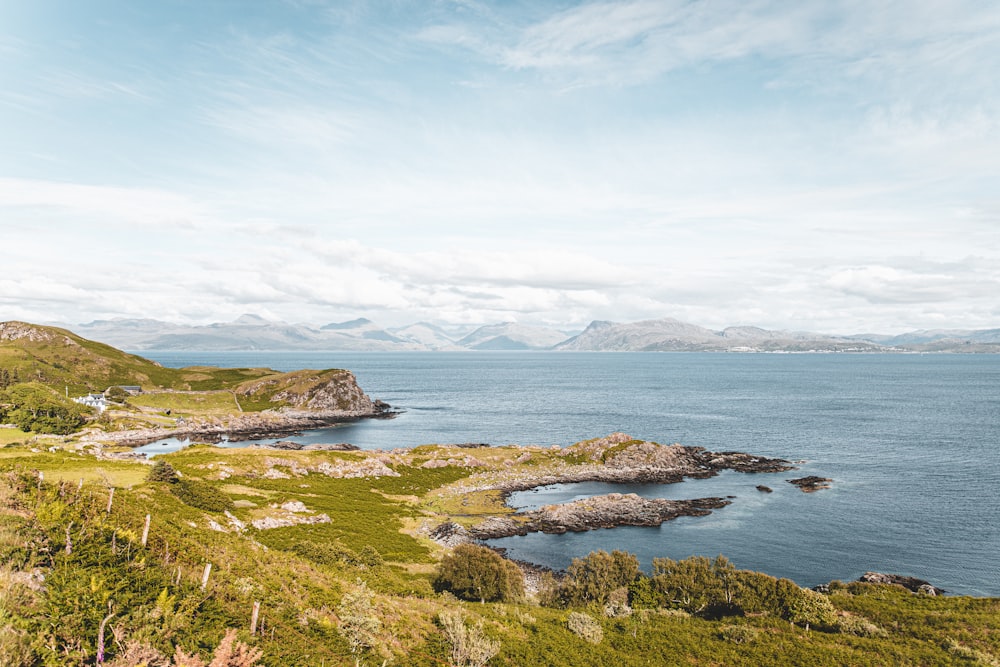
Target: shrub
x=473, y=572
x=859, y=627
x=202, y=495
x=470, y=647
x=585, y=627
x=739, y=634
x=594, y=577
x=358, y=622
x=162, y=472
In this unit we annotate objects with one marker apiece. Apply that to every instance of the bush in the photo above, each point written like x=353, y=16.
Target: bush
x=739, y=634
x=594, y=577
x=202, y=495
x=162, y=472
x=470, y=647
x=585, y=627
x=473, y=572
x=859, y=627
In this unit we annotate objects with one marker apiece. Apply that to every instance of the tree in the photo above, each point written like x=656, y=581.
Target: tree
x=594, y=577
x=116, y=394
x=358, y=623
x=35, y=407
x=473, y=572
x=162, y=472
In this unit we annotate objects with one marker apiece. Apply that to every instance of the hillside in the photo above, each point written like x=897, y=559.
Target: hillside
x=202, y=397
x=337, y=551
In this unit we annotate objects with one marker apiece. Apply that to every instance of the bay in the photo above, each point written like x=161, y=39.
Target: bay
x=911, y=441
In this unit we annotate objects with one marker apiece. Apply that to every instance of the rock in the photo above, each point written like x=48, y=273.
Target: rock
x=450, y=534
x=333, y=447
x=811, y=483
x=607, y=511
x=764, y=489
x=911, y=584
x=287, y=444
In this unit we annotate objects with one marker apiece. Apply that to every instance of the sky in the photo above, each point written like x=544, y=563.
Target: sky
x=823, y=165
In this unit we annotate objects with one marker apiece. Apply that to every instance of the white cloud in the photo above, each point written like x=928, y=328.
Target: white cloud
x=145, y=206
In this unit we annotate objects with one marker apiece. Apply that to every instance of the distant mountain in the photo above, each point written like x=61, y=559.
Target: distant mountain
x=252, y=332
x=248, y=332
x=426, y=334
x=512, y=336
x=670, y=335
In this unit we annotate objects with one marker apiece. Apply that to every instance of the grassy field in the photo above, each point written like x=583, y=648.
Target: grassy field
x=182, y=403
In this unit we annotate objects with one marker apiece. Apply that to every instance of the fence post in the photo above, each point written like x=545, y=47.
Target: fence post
x=253, y=617
x=111, y=497
x=145, y=531
x=204, y=577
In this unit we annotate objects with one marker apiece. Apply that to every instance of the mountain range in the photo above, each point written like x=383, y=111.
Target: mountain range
x=252, y=332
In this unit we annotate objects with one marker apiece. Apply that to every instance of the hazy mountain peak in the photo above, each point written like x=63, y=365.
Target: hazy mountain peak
x=358, y=323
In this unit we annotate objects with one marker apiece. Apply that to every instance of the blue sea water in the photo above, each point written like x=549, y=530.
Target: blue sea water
x=912, y=443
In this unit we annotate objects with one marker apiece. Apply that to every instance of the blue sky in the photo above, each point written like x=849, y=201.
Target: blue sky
x=828, y=165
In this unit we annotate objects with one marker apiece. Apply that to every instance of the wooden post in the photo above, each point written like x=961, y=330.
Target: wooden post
x=145, y=531
x=177, y=581
x=204, y=577
x=253, y=617
x=69, y=542
x=111, y=497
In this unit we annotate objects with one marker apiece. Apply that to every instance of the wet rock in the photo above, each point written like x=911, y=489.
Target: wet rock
x=811, y=483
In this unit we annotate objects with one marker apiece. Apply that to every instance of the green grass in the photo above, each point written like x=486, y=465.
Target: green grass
x=11, y=435
x=201, y=403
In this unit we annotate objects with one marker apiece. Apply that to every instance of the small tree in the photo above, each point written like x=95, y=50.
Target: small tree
x=162, y=472
x=594, y=577
x=116, y=394
x=358, y=623
x=473, y=572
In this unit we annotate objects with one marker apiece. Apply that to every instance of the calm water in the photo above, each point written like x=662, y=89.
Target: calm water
x=912, y=442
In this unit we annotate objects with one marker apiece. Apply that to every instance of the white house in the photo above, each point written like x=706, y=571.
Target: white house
x=96, y=401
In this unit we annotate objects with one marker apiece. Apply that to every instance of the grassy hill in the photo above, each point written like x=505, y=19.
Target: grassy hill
x=59, y=359
x=349, y=578
x=67, y=365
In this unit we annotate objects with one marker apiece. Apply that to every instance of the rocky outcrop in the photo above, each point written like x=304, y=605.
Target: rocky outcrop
x=811, y=484
x=291, y=513
x=619, y=458
x=911, y=584
x=607, y=511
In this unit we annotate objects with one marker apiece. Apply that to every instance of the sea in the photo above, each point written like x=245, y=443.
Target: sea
x=911, y=442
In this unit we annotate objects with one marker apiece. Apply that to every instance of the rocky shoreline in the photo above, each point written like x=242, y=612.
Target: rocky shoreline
x=617, y=458
x=252, y=426
x=607, y=511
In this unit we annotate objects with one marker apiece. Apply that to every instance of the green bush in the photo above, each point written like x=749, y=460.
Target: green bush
x=594, y=577
x=473, y=572
x=162, y=472
x=202, y=495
